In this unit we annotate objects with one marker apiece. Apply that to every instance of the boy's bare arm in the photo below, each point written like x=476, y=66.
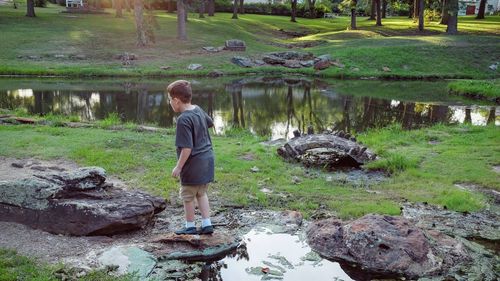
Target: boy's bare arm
x=183, y=157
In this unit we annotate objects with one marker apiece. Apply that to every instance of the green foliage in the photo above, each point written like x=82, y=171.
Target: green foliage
x=432, y=15
x=393, y=163
x=488, y=89
x=113, y=119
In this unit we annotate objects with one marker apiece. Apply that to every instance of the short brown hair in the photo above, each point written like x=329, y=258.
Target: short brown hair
x=180, y=89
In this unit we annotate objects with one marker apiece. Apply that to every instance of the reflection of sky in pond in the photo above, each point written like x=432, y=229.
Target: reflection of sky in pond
x=268, y=109
x=266, y=249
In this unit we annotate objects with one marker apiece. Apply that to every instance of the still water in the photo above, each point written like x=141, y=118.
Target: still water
x=270, y=106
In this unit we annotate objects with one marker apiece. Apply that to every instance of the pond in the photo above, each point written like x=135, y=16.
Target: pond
x=267, y=106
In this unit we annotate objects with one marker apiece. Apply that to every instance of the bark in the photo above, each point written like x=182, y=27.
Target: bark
x=384, y=8
x=482, y=8
x=312, y=11
x=373, y=10
x=242, y=8
x=411, y=8
x=453, y=19
x=294, y=10
x=127, y=6
x=171, y=6
x=235, y=10
x=15, y=4
x=211, y=8
x=353, y=14
x=444, y=13
x=30, y=8
x=181, y=20
x=202, y=9
x=415, y=9
x=421, y=15
x=118, y=7
x=142, y=39
x=379, y=15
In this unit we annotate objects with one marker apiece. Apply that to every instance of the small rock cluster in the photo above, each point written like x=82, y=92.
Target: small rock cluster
x=289, y=59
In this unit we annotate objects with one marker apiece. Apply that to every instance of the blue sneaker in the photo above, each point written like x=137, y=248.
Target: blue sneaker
x=187, y=230
x=209, y=229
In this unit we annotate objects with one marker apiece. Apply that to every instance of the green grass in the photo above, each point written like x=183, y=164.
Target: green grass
x=396, y=45
x=482, y=89
x=17, y=267
x=421, y=171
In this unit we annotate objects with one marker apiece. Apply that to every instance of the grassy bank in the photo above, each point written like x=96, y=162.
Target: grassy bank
x=395, y=45
x=421, y=170
x=486, y=90
x=16, y=267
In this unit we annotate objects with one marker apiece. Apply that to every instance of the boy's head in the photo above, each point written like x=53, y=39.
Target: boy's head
x=181, y=90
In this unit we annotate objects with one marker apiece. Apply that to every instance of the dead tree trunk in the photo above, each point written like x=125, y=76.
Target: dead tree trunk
x=30, y=8
x=482, y=8
x=235, y=10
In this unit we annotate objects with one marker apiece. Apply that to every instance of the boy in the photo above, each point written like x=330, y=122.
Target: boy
x=195, y=165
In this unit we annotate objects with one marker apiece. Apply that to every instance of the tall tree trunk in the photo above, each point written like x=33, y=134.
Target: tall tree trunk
x=411, y=8
x=242, y=8
x=211, y=8
x=118, y=7
x=453, y=19
x=491, y=116
x=202, y=9
x=127, y=6
x=181, y=20
x=373, y=10
x=421, y=15
x=312, y=10
x=142, y=39
x=444, y=13
x=415, y=9
x=384, y=8
x=171, y=6
x=235, y=10
x=379, y=15
x=30, y=8
x=294, y=10
x=353, y=14
x=353, y=19
x=482, y=7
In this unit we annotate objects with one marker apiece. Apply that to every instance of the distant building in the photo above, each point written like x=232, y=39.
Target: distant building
x=471, y=7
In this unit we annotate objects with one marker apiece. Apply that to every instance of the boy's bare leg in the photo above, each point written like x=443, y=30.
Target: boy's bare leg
x=189, y=210
x=204, y=206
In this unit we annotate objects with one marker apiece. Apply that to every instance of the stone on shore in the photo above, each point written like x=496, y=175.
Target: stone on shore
x=79, y=203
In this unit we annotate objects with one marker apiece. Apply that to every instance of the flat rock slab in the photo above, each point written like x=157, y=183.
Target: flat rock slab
x=194, y=247
x=77, y=202
x=386, y=246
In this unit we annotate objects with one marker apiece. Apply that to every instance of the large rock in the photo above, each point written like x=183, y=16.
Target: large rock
x=235, y=45
x=292, y=55
x=326, y=150
x=386, y=246
x=76, y=203
x=242, y=61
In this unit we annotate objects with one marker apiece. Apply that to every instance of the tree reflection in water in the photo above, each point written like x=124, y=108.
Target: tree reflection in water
x=266, y=107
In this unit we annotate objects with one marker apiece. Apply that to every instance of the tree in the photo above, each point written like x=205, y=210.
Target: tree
x=384, y=8
x=372, y=10
x=482, y=7
x=211, y=8
x=444, y=13
x=416, y=9
x=181, y=20
x=312, y=11
x=235, y=10
x=142, y=38
x=201, y=9
x=30, y=8
x=453, y=19
x=421, y=15
x=294, y=10
x=127, y=6
x=242, y=8
x=353, y=14
x=379, y=15
x=118, y=7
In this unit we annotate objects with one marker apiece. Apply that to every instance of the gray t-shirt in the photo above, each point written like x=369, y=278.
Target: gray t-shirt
x=192, y=132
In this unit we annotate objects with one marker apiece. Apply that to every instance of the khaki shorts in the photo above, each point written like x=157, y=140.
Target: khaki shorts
x=189, y=192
